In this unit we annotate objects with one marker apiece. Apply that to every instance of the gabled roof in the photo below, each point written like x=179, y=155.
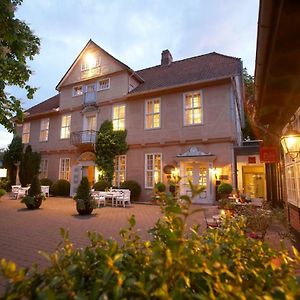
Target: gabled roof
x=45, y=106
x=90, y=42
x=199, y=68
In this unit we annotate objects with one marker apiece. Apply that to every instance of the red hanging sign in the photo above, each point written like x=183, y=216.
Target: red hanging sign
x=269, y=154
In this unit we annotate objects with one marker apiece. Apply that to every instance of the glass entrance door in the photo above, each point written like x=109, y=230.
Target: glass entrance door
x=197, y=174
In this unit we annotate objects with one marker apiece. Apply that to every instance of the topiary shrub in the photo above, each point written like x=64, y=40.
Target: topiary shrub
x=2, y=192
x=134, y=187
x=224, y=188
x=101, y=185
x=46, y=181
x=60, y=187
x=84, y=201
x=160, y=187
x=35, y=196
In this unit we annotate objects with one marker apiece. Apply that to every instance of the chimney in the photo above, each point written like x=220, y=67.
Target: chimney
x=166, y=58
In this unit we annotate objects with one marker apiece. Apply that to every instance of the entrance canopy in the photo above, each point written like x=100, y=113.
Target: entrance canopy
x=194, y=154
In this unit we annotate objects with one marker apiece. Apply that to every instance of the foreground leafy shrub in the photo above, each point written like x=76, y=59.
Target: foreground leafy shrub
x=46, y=181
x=2, y=192
x=101, y=185
x=176, y=263
x=134, y=188
x=60, y=188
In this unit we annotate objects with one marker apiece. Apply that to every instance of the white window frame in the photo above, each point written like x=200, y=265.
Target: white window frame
x=26, y=133
x=44, y=130
x=85, y=65
x=66, y=173
x=200, y=92
x=103, y=89
x=117, y=118
x=63, y=128
x=117, y=171
x=44, y=168
x=152, y=113
x=74, y=94
x=152, y=170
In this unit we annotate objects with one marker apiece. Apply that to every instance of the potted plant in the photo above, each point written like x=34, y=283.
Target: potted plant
x=35, y=196
x=84, y=200
x=224, y=189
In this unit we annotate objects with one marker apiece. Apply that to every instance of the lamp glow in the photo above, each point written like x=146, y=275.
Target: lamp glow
x=291, y=143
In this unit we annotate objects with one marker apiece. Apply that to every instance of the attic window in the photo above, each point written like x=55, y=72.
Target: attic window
x=77, y=90
x=103, y=84
x=90, y=61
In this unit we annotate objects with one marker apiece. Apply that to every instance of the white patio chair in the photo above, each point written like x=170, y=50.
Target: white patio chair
x=14, y=191
x=124, y=198
x=99, y=197
x=45, y=190
x=22, y=192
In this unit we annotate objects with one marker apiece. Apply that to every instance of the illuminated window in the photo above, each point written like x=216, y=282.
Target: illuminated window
x=26, y=133
x=64, y=168
x=192, y=108
x=44, y=168
x=203, y=177
x=119, y=170
x=103, y=84
x=152, y=114
x=152, y=169
x=44, y=132
x=119, y=117
x=90, y=61
x=77, y=90
x=65, y=127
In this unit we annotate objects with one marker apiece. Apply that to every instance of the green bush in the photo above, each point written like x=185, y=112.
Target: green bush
x=46, y=181
x=176, y=263
x=35, y=187
x=225, y=188
x=83, y=190
x=134, y=187
x=160, y=187
x=101, y=185
x=5, y=184
x=60, y=188
x=2, y=192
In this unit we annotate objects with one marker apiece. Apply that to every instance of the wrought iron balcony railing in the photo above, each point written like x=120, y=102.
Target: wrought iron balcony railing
x=84, y=137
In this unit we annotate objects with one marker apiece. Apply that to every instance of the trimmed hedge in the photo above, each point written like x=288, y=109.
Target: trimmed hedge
x=60, y=188
x=101, y=185
x=46, y=181
x=134, y=187
x=225, y=188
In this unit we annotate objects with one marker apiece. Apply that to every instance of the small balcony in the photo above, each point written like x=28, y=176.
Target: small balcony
x=83, y=139
x=89, y=98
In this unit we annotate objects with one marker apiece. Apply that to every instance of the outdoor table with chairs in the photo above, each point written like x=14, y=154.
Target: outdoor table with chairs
x=114, y=196
x=17, y=191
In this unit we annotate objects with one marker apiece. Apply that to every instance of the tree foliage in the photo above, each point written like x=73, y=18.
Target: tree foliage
x=109, y=144
x=248, y=79
x=17, y=44
x=30, y=165
x=12, y=156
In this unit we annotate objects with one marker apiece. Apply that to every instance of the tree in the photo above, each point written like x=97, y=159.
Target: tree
x=30, y=165
x=109, y=144
x=249, y=105
x=13, y=156
x=17, y=44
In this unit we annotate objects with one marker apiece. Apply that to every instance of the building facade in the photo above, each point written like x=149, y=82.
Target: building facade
x=184, y=114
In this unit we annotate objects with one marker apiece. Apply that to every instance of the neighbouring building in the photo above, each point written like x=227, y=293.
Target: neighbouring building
x=185, y=115
x=277, y=94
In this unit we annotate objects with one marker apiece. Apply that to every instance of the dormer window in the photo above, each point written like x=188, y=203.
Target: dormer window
x=103, y=84
x=90, y=61
x=77, y=91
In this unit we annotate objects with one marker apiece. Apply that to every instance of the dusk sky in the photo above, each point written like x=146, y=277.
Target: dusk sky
x=135, y=32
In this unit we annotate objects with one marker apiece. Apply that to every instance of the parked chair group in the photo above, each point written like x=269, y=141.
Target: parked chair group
x=17, y=191
x=116, y=196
